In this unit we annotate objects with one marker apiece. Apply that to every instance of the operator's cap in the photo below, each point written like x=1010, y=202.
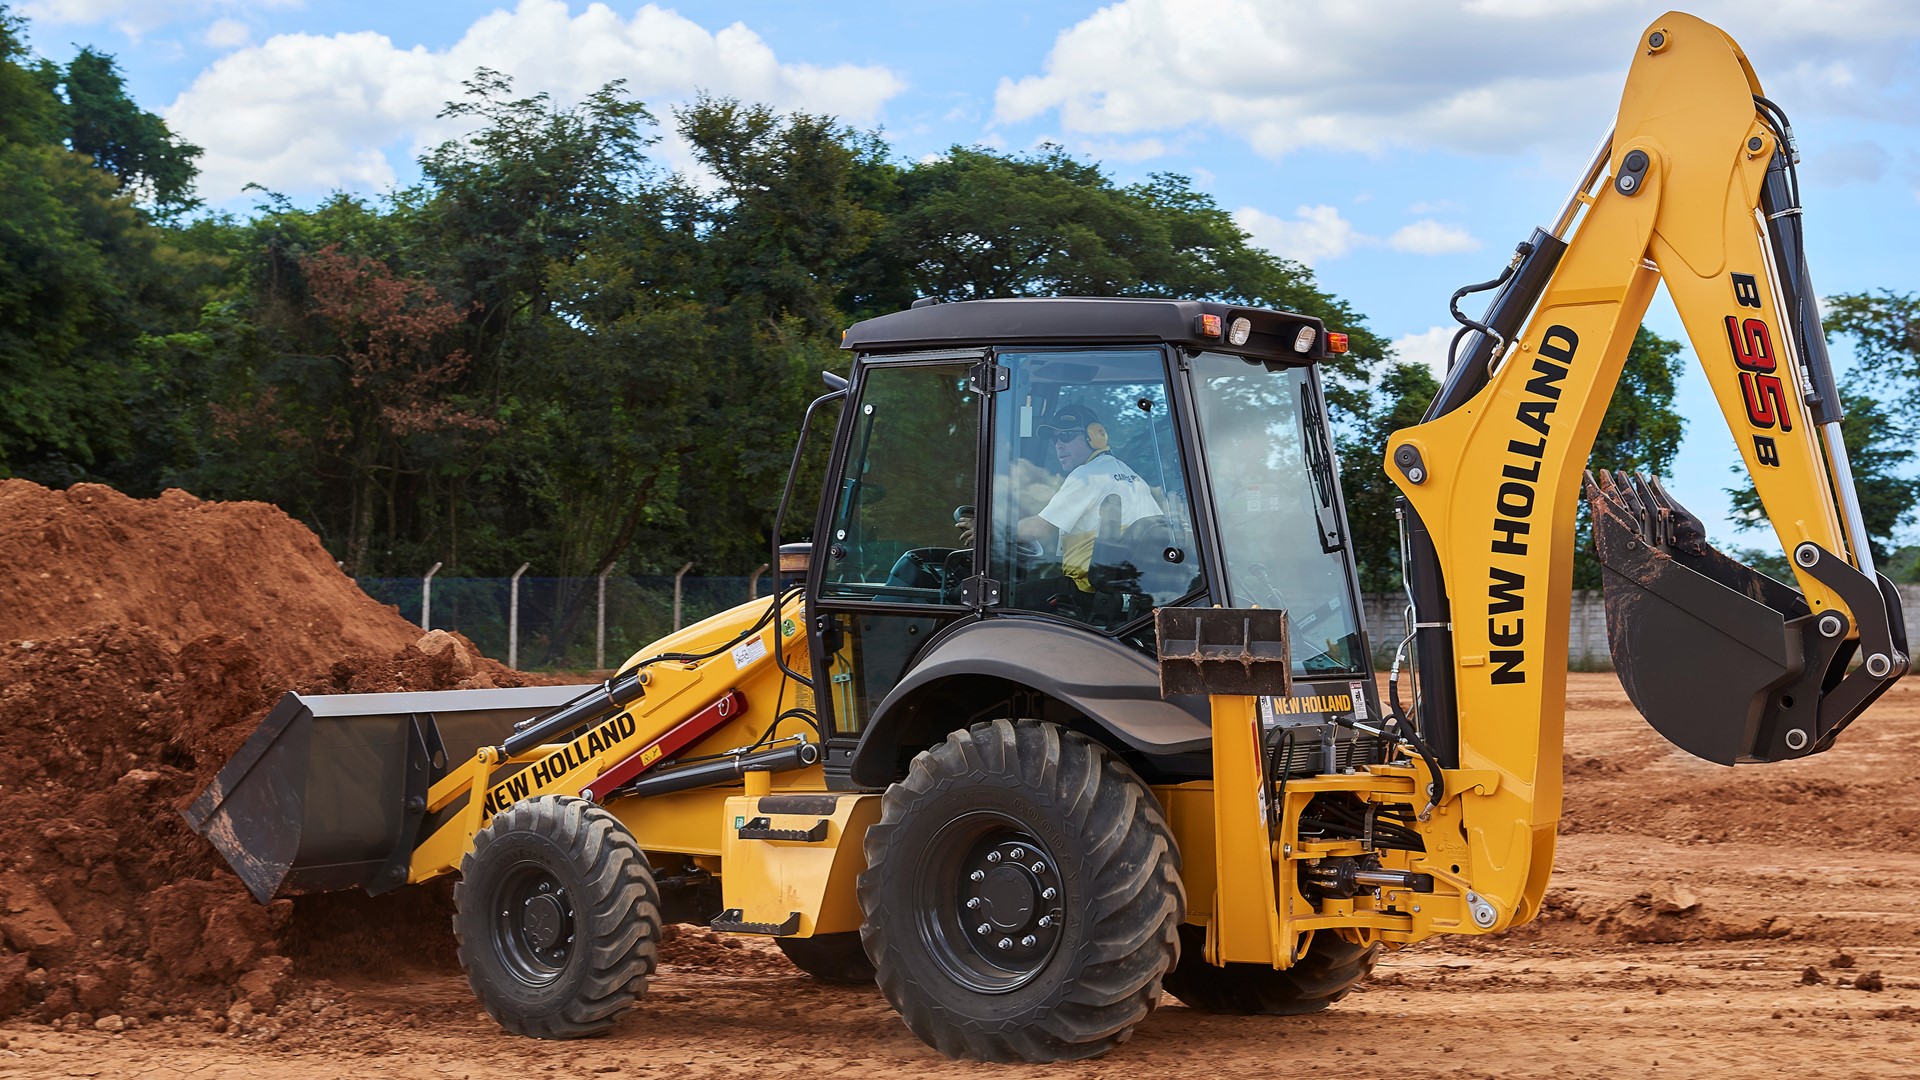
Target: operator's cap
x=1073, y=418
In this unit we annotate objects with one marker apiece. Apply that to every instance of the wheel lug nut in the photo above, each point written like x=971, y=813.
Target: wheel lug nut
x=1006, y=943
x=982, y=929
x=1018, y=853
x=1049, y=893
x=1039, y=868
x=973, y=901
x=1046, y=920
x=993, y=856
x=977, y=875
x=1029, y=941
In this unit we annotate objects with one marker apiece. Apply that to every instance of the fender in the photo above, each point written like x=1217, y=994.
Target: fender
x=1113, y=686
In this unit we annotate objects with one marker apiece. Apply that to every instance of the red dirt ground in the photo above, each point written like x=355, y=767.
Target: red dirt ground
x=1703, y=921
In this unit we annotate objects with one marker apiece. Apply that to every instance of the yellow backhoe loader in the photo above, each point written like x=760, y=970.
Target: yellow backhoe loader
x=1068, y=701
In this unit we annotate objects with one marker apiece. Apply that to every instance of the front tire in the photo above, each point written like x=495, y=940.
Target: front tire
x=1329, y=971
x=1022, y=895
x=557, y=918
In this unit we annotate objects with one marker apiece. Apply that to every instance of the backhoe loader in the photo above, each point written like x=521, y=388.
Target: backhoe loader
x=1068, y=701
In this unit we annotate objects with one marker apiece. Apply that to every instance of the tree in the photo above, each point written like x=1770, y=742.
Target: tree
x=975, y=224
x=1885, y=330
x=134, y=145
x=369, y=395
x=519, y=199
x=1640, y=432
x=84, y=278
x=1402, y=398
x=1879, y=448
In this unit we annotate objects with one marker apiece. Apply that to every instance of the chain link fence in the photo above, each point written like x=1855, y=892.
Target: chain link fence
x=563, y=624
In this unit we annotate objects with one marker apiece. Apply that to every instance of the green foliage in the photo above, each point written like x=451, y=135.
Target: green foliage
x=1404, y=394
x=1903, y=565
x=976, y=225
x=552, y=349
x=1884, y=327
x=1880, y=449
x=1640, y=432
x=124, y=139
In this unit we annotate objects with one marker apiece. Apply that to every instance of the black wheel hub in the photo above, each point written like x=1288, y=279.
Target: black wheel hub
x=993, y=913
x=534, y=924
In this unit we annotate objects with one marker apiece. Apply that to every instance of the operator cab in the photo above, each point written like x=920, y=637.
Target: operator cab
x=1078, y=463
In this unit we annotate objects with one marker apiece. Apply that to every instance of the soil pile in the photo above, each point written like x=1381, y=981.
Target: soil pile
x=140, y=642
x=182, y=568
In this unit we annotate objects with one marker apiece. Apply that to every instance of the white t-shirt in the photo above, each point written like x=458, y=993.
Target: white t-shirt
x=1075, y=508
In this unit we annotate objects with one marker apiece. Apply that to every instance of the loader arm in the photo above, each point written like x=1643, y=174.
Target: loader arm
x=1691, y=190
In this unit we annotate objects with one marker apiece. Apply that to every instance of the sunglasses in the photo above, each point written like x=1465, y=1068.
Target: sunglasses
x=1067, y=436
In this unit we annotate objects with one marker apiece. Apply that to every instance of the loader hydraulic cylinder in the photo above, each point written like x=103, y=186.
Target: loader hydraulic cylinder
x=707, y=773
x=584, y=711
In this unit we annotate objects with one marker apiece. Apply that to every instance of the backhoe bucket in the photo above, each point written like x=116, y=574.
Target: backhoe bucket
x=1725, y=662
x=330, y=790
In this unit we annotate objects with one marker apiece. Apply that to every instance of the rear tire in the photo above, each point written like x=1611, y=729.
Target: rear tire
x=1329, y=971
x=832, y=958
x=557, y=918
x=1022, y=895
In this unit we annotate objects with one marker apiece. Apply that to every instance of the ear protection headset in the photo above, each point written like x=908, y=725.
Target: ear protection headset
x=1097, y=436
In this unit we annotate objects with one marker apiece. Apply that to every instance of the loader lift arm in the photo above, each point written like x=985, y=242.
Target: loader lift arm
x=1694, y=189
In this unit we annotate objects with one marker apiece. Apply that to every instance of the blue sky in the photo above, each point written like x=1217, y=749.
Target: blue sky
x=1399, y=147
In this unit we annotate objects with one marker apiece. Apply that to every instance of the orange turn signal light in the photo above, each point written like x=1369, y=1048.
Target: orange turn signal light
x=1336, y=343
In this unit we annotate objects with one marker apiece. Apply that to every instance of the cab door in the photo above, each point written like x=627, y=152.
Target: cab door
x=891, y=561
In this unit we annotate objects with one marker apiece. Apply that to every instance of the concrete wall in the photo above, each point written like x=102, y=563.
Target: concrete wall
x=1587, y=636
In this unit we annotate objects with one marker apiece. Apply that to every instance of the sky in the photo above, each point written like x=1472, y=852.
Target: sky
x=1400, y=148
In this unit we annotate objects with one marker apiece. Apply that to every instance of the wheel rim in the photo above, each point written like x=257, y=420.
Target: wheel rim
x=990, y=904
x=533, y=924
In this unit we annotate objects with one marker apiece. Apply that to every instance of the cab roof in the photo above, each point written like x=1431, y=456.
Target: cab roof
x=1088, y=321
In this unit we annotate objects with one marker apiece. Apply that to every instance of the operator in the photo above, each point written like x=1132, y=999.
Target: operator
x=1070, y=522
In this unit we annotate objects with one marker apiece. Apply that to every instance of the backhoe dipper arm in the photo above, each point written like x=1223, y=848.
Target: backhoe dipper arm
x=1723, y=661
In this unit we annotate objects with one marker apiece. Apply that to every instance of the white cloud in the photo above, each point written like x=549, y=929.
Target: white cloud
x=227, y=34
x=1313, y=234
x=303, y=113
x=1432, y=238
x=1427, y=347
x=137, y=17
x=1491, y=76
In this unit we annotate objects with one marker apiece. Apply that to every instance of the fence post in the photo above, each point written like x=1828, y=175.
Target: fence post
x=753, y=583
x=513, y=618
x=426, y=598
x=676, y=594
x=600, y=631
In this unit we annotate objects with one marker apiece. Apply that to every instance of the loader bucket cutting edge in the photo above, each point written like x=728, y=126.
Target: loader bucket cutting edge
x=329, y=792
x=1722, y=660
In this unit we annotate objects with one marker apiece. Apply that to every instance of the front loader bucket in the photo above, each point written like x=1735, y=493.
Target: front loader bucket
x=1725, y=662
x=330, y=790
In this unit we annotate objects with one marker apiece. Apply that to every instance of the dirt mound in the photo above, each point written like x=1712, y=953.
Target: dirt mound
x=182, y=568
x=140, y=642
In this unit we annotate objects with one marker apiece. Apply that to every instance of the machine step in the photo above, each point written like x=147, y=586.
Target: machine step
x=733, y=921
x=761, y=828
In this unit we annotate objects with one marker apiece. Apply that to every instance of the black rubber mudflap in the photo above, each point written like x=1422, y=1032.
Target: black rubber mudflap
x=1708, y=649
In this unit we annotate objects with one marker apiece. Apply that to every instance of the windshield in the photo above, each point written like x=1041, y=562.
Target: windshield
x=1271, y=473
